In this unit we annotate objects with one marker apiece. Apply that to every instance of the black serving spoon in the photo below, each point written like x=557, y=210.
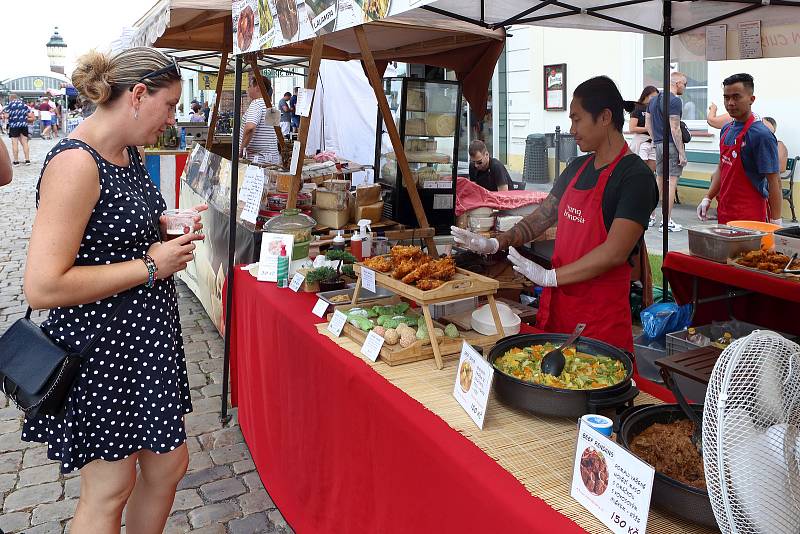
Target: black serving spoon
x=553, y=362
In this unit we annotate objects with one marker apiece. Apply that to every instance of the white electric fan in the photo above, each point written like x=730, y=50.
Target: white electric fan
x=751, y=436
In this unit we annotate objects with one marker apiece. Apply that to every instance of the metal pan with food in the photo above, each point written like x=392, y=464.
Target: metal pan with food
x=668, y=447
x=596, y=376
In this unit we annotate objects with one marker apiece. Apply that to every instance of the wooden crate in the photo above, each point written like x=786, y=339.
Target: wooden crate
x=420, y=350
x=463, y=285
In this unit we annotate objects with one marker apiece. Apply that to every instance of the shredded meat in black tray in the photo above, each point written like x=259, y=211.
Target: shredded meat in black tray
x=669, y=448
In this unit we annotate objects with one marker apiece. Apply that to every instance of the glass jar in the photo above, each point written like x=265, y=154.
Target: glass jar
x=292, y=221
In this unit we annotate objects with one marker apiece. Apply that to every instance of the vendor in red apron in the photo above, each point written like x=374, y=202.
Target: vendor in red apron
x=602, y=204
x=747, y=183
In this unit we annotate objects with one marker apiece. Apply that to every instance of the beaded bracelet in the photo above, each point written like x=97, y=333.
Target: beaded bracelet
x=152, y=269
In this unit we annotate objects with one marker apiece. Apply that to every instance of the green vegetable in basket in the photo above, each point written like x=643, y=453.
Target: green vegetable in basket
x=382, y=319
x=397, y=309
x=362, y=323
x=451, y=330
x=389, y=322
x=410, y=320
x=422, y=332
x=360, y=312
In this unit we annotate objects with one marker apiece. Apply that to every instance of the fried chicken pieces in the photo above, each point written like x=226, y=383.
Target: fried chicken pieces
x=409, y=265
x=766, y=260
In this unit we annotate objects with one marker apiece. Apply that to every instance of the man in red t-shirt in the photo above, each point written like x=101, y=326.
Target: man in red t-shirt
x=46, y=110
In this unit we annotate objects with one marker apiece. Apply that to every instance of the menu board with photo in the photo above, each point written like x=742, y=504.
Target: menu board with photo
x=263, y=24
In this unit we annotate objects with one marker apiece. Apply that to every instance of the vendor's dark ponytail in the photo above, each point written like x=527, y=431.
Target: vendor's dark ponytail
x=599, y=93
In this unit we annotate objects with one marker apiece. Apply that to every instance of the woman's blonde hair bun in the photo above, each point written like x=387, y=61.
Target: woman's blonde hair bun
x=92, y=76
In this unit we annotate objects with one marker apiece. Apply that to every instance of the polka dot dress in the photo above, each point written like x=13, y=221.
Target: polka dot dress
x=133, y=390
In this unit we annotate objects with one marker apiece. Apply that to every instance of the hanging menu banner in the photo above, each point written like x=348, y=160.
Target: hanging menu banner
x=251, y=190
x=610, y=482
x=264, y=24
x=750, y=40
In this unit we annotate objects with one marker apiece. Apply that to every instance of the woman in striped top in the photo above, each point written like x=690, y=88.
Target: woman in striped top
x=259, y=142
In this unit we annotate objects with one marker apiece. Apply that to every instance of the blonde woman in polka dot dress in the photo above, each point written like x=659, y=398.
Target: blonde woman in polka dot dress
x=96, y=230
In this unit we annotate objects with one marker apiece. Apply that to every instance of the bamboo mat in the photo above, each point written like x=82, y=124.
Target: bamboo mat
x=513, y=438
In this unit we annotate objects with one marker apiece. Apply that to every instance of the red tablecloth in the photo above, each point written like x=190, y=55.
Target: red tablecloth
x=773, y=303
x=340, y=449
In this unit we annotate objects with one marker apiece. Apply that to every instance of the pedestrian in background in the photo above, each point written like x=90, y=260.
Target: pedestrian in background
x=6, y=172
x=295, y=116
x=18, y=119
x=642, y=144
x=259, y=142
x=285, y=108
x=783, y=152
x=99, y=261
x=45, y=115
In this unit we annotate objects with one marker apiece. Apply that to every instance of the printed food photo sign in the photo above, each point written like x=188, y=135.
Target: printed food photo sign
x=263, y=24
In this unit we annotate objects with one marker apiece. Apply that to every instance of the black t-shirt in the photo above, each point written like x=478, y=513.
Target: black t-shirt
x=493, y=177
x=638, y=114
x=631, y=192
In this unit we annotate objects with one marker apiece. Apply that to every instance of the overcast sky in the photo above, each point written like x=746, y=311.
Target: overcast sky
x=84, y=24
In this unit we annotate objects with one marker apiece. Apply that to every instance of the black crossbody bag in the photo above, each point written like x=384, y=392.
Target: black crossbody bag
x=37, y=374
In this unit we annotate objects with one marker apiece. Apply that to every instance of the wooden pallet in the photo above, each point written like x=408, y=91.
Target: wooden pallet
x=464, y=284
x=420, y=350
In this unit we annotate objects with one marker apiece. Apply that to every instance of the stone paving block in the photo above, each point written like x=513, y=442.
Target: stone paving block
x=196, y=395
x=253, y=481
x=210, y=366
x=227, y=436
x=193, y=445
x=212, y=390
x=7, y=482
x=27, y=497
x=12, y=442
x=213, y=513
x=197, y=424
x=57, y=511
x=195, y=347
x=251, y=524
x=15, y=522
x=36, y=456
x=10, y=425
x=243, y=466
x=230, y=454
x=38, y=475
x=255, y=501
x=197, y=380
x=277, y=519
x=204, y=476
x=206, y=405
x=72, y=488
x=216, y=377
x=53, y=527
x=177, y=523
x=204, y=336
x=186, y=500
x=222, y=489
x=10, y=412
x=199, y=460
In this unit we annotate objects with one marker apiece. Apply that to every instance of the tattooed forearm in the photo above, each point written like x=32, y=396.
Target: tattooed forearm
x=531, y=226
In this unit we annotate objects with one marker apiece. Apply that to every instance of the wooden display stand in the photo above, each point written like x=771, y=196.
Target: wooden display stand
x=465, y=284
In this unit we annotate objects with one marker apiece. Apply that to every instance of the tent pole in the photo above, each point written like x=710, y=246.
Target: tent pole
x=394, y=135
x=667, y=133
x=305, y=122
x=212, y=125
x=237, y=123
x=262, y=87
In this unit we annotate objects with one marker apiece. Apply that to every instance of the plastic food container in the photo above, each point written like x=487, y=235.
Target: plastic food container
x=297, y=224
x=787, y=240
x=179, y=221
x=719, y=242
x=601, y=423
x=481, y=224
x=768, y=240
x=483, y=322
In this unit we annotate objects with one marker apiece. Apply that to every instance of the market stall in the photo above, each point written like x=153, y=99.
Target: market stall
x=344, y=444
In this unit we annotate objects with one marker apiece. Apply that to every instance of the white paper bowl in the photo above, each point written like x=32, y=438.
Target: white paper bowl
x=480, y=212
x=483, y=323
x=481, y=224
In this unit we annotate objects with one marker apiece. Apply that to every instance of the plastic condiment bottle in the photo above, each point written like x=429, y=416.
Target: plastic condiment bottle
x=366, y=237
x=283, y=267
x=355, y=246
x=338, y=241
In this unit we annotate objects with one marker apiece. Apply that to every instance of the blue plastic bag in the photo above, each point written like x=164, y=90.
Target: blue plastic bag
x=664, y=317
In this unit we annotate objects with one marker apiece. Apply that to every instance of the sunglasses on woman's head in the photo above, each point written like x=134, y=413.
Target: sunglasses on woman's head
x=174, y=66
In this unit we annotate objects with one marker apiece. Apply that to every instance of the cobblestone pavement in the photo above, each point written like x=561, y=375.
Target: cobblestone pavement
x=221, y=493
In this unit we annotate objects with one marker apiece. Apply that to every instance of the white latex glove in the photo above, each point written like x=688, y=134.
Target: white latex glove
x=532, y=270
x=702, y=209
x=474, y=242
x=778, y=221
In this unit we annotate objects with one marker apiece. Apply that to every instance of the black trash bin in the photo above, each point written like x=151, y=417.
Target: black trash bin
x=568, y=148
x=535, y=166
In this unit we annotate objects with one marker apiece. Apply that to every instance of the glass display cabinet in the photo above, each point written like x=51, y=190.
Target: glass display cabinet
x=426, y=114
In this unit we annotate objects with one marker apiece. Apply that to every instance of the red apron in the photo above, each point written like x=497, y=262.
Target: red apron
x=738, y=200
x=602, y=302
